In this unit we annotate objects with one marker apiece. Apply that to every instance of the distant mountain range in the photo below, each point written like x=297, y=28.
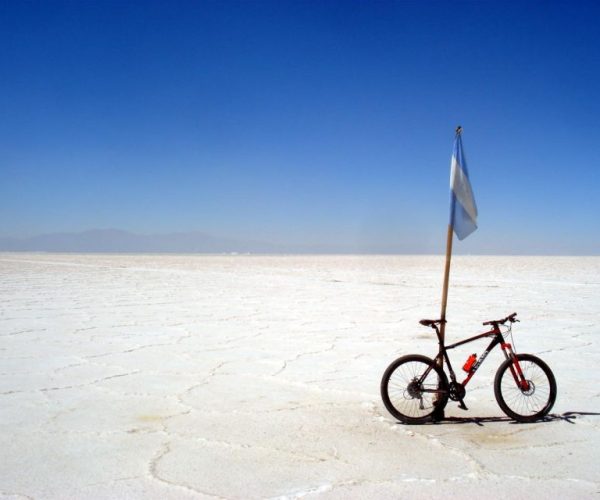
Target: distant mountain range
x=118, y=241
x=114, y=240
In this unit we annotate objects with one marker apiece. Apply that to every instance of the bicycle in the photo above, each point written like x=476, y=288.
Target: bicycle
x=415, y=388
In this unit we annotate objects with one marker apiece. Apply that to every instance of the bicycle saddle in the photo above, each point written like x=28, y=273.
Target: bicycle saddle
x=431, y=322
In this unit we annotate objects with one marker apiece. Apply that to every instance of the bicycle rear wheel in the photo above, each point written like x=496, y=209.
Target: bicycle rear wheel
x=530, y=403
x=413, y=387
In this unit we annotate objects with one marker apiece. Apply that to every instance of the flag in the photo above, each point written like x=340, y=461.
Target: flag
x=463, y=211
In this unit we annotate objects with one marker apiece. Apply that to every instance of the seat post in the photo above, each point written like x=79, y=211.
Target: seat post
x=439, y=336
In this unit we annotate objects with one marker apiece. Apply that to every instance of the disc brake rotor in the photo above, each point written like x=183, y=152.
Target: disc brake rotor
x=530, y=389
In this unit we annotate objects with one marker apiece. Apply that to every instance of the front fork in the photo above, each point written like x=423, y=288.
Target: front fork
x=515, y=367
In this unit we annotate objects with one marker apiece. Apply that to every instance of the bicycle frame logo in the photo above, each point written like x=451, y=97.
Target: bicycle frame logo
x=477, y=364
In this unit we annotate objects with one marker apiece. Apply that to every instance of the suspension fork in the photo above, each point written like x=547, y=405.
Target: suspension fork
x=515, y=367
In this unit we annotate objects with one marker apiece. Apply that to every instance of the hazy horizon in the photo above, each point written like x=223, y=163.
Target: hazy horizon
x=111, y=240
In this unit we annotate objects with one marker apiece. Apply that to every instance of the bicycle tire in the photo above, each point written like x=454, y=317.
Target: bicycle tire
x=404, y=398
x=530, y=405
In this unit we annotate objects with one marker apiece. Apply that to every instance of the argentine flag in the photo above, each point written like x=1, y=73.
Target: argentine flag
x=463, y=211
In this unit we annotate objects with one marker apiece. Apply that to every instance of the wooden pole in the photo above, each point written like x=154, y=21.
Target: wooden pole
x=439, y=414
x=449, y=239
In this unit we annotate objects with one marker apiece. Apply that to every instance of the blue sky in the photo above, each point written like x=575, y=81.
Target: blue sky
x=303, y=122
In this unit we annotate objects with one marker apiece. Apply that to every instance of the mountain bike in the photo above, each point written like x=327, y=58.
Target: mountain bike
x=415, y=388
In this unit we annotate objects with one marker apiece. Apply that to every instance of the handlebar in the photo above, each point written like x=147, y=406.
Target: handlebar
x=511, y=317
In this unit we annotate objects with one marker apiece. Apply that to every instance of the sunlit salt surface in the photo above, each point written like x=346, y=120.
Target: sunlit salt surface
x=173, y=377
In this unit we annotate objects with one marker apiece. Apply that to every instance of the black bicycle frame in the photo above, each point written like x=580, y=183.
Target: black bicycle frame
x=515, y=368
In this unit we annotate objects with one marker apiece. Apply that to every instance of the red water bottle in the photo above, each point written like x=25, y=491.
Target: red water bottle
x=470, y=362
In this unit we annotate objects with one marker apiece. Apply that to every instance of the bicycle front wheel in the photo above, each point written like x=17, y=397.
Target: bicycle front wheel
x=531, y=400
x=413, y=387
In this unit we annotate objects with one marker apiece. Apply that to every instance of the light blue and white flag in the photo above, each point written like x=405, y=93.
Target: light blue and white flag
x=463, y=211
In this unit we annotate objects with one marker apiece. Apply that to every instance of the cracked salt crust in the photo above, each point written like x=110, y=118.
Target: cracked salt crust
x=257, y=377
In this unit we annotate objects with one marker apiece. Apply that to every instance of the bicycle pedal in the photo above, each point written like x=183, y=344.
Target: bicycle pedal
x=462, y=405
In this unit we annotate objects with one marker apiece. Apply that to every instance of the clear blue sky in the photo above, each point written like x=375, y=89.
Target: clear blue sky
x=303, y=122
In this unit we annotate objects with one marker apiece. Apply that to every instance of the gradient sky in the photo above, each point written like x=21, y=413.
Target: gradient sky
x=303, y=122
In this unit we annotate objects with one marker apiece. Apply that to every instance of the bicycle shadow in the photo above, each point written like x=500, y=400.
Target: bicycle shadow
x=568, y=416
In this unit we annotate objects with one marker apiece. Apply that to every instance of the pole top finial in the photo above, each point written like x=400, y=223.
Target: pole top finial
x=458, y=130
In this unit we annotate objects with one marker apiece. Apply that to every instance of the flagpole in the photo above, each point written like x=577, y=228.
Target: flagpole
x=449, y=238
x=463, y=218
x=438, y=414
x=446, y=279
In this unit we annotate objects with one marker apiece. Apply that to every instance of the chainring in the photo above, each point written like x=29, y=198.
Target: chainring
x=457, y=391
